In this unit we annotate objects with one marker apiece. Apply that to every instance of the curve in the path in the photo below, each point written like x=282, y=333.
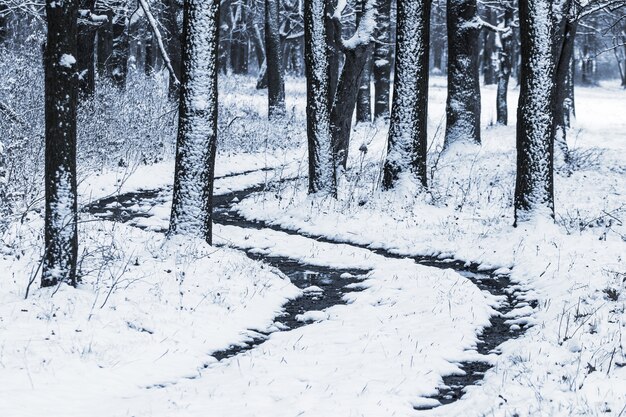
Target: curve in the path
x=334, y=281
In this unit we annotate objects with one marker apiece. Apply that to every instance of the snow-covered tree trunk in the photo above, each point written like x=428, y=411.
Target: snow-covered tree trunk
x=61, y=95
x=321, y=163
x=505, y=53
x=197, y=121
x=407, y=131
x=274, y=61
x=463, y=104
x=364, y=97
x=382, y=61
x=356, y=50
x=534, y=188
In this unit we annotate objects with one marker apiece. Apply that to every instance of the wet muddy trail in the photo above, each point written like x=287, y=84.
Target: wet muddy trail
x=325, y=287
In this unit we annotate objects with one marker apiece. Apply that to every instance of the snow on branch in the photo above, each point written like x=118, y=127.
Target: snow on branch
x=157, y=34
x=363, y=33
x=478, y=23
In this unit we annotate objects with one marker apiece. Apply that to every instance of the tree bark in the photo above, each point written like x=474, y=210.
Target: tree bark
x=363, y=101
x=148, y=66
x=197, y=122
x=274, y=67
x=563, y=101
x=61, y=95
x=504, y=66
x=489, y=46
x=172, y=43
x=321, y=163
x=463, y=104
x=382, y=61
x=239, y=43
x=407, y=140
x=105, y=45
x=86, y=57
x=121, y=45
x=534, y=187
x=356, y=51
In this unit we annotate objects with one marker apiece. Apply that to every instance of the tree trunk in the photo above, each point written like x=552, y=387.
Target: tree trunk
x=105, y=45
x=407, y=139
x=86, y=61
x=192, y=204
x=363, y=101
x=463, y=104
x=239, y=43
x=364, y=97
x=534, y=187
x=172, y=43
x=121, y=46
x=148, y=66
x=225, y=36
x=438, y=36
x=61, y=95
x=4, y=30
x=382, y=61
x=563, y=101
x=274, y=67
x=356, y=51
x=489, y=46
x=504, y=66
x=321, y=164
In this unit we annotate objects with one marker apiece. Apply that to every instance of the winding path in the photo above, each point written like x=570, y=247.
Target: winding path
x=334, y=283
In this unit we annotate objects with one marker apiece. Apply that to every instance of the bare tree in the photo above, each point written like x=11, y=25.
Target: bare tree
x=356, y=51
x=61, y=95
x=197, y=121
x=408, y=125
x=274, y=61
x=463, y=104
x=321, y=162
x=382, y=61
x=534, y=187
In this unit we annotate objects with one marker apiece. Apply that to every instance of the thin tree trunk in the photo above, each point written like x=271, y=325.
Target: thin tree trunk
x=148, y=66
x=463, y=104
x=382, y=61
x=563, y=102
x=121, y=46
x=105, y=45
x=363, y=101
x=239, y=43
x=321, y=164
x=504, y=66
x=86, y=61
x=534, y=187
x=407, y=141
x=197, y=121
x=274, y=67
x=489, y=73
x=172, y=44
x=61, y=96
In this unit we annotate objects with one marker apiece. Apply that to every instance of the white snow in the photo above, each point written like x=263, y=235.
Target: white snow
x=135, y=336
x=67, y=60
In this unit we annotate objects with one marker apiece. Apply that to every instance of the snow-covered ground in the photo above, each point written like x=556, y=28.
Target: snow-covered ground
x=135, y=337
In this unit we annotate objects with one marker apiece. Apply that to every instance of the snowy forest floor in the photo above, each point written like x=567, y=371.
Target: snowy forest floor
x=135, y=337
